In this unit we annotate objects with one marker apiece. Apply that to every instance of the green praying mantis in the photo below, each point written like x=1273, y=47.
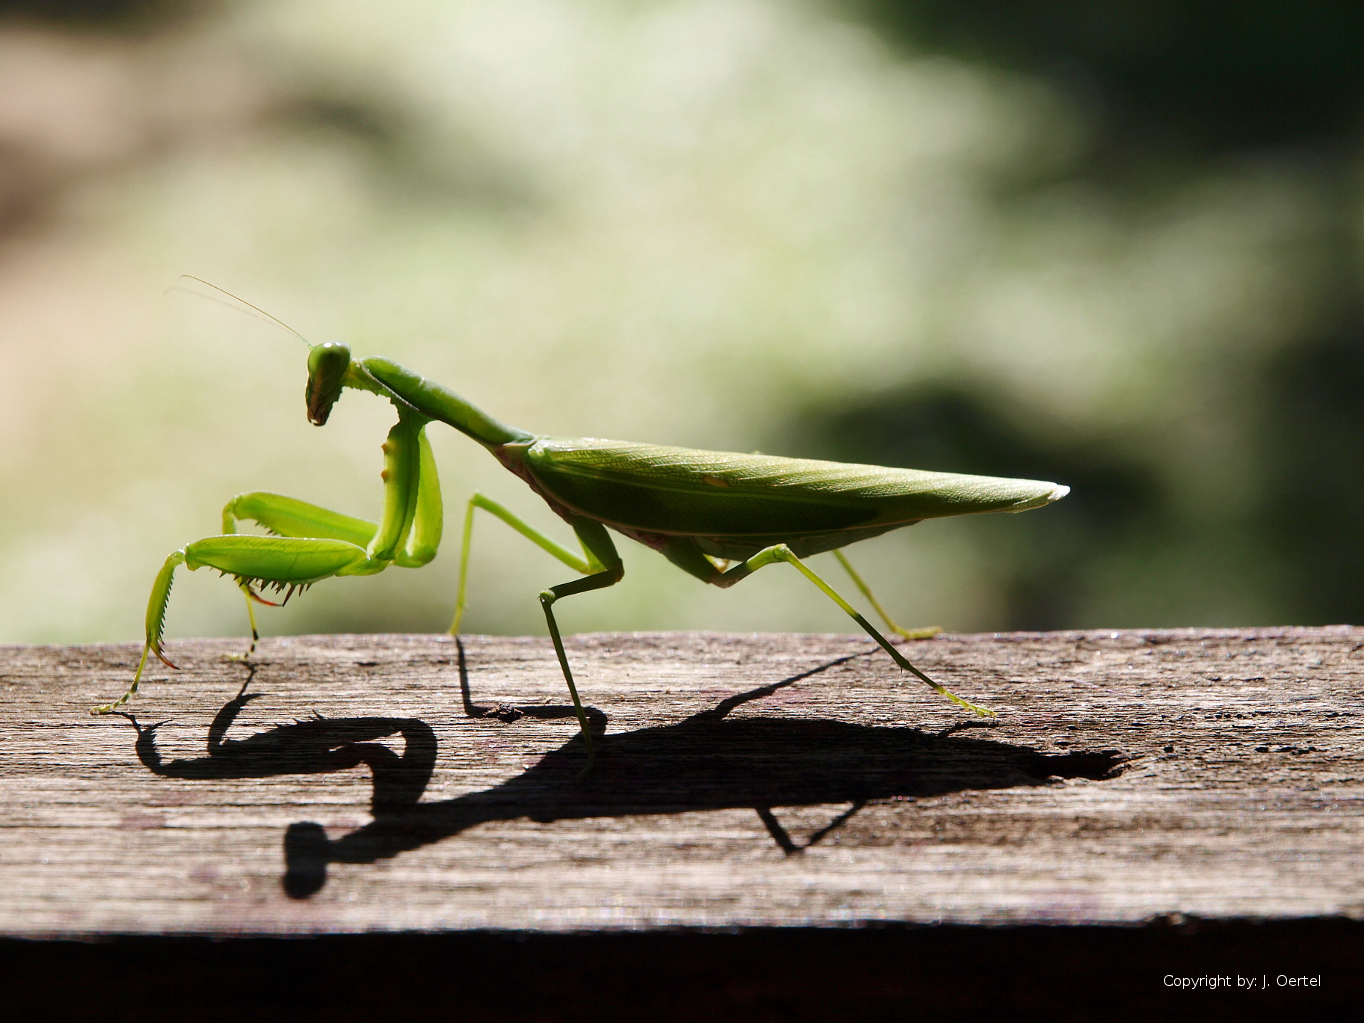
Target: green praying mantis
x=717, y=516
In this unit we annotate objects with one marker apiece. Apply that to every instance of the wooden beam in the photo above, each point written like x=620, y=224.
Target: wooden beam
x=743, y=780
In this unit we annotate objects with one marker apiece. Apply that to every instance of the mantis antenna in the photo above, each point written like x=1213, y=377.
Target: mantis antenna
x=261, y=313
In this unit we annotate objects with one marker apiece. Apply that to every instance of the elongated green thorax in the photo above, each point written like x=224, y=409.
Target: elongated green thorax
x=330, y=369
x=434, y=401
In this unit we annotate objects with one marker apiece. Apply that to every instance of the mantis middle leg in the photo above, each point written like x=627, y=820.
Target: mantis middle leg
x=529, y=532
x=601, y=567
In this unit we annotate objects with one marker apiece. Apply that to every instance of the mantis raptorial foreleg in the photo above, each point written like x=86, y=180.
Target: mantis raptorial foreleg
x=285, y=563
x=312, y=543
x=601, y=567
x=288, y=516
x=925, y=633
x=781, y=552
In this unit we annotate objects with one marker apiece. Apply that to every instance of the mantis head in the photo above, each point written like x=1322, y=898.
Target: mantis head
x=327, y=365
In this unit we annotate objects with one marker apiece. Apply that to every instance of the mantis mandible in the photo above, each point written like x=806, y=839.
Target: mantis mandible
x=717, y=516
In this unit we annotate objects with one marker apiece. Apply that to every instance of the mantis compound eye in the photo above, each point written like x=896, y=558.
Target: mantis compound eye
x=327, y=365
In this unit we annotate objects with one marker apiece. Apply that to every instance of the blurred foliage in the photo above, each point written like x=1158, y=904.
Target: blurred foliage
x=102, y=15
x=1312, y=439
x=1173, y=94
x=1116, y=246
x=1040, y=560
x=1189, y=75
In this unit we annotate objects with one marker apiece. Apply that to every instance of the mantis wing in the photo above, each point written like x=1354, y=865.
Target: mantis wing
x=671, y=491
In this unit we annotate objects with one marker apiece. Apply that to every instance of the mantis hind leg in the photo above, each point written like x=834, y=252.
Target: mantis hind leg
x=925, y=633
x=780, y=552
x=686, y=555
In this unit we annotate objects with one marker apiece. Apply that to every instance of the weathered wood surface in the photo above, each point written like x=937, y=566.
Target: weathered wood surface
x=1210, y=773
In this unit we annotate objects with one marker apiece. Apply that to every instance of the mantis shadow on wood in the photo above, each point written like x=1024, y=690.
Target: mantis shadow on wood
x=709, y=761
x=315, y=745
x=321, y=745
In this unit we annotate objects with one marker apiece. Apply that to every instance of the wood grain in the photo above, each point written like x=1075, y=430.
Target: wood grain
x=1133, y=775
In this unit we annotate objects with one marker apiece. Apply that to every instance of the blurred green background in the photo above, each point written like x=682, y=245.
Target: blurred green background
x=1113, y=245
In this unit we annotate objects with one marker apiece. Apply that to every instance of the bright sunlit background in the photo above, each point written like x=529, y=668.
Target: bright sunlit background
x=1114, y=246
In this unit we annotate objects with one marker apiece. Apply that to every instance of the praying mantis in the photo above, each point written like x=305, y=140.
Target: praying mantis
x=718, y=516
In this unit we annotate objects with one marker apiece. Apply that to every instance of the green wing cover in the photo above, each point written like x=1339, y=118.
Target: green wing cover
x=688, y=492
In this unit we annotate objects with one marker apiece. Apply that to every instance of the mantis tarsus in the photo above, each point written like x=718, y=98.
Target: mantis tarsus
x=717, y=516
